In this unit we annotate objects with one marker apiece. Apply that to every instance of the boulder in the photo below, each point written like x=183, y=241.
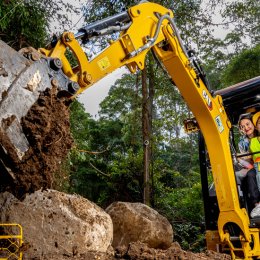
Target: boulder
x=55, y=223
x=137, y=222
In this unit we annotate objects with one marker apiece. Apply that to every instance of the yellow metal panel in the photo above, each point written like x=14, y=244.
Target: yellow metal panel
x=11, y=241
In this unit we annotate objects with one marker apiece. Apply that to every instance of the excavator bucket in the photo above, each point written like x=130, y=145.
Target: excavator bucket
x=23, y=77
x=21, y=82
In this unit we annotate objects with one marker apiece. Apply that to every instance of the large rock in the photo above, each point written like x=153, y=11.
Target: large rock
x=56, y=223
x=137, y=222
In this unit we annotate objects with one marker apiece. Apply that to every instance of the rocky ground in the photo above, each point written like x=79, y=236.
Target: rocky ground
x=140, y=251
x=61, y=226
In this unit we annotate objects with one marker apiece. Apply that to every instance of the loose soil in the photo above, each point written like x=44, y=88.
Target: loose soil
x=140, y=251
x=47, y=129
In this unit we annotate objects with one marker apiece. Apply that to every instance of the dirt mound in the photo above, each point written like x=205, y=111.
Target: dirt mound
x=47, y=129
x=141, y=251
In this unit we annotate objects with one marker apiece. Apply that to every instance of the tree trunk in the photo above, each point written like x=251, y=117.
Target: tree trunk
x=147, y=101
x=151, y=99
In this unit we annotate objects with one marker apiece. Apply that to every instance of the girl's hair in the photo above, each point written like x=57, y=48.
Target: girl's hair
x=244, y=116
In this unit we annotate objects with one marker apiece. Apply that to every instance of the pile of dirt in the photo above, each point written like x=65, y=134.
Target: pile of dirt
x=141, y=251
x=47, y=128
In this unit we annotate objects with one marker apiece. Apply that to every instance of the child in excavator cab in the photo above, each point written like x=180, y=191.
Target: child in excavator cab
x=255, y=147
x=248, y=173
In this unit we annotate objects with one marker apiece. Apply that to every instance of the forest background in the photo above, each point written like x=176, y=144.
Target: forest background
x=136, y=149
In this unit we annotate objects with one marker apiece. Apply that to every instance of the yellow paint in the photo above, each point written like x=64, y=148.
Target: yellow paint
x=13, y=233
x=104, y=63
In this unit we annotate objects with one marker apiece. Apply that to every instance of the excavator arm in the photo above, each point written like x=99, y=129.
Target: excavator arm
x=140, y=29
x=149, y=26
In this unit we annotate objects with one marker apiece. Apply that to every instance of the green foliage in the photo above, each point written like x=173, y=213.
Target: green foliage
x=26, y=23
x=96, y=10
x=177, y=161
x=243, y=66
x=125, y=181
x=103, y=168
x=192, y=21
x=81, y=123
x=22, y=24
x=244, y=16
x=183, y=207
x=241, y=20
x=182, y=204
x=123, y=97
x=190, y=236
x=83, y=177
x=215, y=59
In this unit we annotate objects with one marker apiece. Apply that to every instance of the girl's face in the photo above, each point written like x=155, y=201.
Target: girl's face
x=247, y=127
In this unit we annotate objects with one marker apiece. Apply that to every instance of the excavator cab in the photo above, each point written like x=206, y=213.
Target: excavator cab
x=237, y=99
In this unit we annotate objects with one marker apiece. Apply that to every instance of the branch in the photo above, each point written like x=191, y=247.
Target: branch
x=91, y=152
x=99, y=170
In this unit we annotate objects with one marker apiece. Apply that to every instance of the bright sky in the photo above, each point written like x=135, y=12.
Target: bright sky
x=97, y=92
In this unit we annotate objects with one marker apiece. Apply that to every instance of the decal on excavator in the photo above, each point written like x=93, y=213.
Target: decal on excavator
x=104, y=63
x=219, y=124
x=207, y=99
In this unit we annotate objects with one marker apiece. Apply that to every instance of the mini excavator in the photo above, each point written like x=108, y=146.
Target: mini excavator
x=142, y=28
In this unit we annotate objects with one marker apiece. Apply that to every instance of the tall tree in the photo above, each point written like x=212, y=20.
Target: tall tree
x=244, y=18
x=26, y=23
x=147, y=110
x=243, y=66
x=22, y=24
x=239, y=21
